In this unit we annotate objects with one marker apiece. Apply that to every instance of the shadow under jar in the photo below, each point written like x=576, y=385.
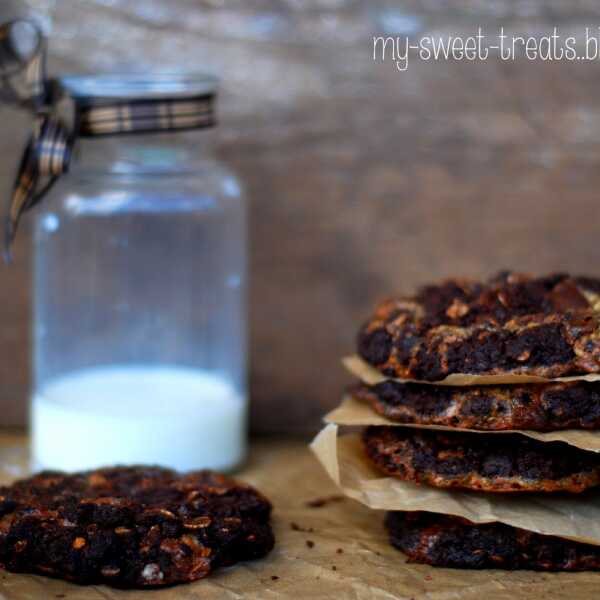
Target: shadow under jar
x=139, y=312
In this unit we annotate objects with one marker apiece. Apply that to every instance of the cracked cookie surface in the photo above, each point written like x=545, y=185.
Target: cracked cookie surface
x=476, y=461
x=131, y=526
x=511, y=324
x=445, y=541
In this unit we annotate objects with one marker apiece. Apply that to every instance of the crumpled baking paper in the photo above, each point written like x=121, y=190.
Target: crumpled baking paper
x=572, y=516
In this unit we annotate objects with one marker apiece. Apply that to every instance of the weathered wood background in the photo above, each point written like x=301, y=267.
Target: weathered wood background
x=362, y=180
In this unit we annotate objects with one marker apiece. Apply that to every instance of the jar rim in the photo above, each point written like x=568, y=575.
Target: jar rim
x=139, y=86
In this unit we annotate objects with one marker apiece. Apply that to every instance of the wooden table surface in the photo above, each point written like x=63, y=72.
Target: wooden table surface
x=348, y=558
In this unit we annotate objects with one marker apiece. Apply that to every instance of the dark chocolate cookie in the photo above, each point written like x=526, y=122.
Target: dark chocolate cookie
x=539, y=407
x=444, y=541
x=131, y=526
x=517, y=324
x=476, y=461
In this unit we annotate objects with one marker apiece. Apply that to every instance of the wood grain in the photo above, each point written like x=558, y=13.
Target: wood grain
x=362, y=180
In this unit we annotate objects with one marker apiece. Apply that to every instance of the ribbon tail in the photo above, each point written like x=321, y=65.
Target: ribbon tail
x=23, y=192
x=11, y=222
x=46, y=158
x=19, y=204
x=10, y=231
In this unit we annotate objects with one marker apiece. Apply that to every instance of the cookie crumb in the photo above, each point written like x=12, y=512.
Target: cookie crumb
x=296, y=527
x=319, y=502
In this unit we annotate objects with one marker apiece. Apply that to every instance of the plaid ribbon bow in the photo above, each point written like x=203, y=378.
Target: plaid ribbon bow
x=48, y=153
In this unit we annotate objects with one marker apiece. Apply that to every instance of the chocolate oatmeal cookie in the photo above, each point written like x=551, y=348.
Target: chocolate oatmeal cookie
x=539, y=407
x=474, y=461
x=512, y=324
x=131, y=526
x=444, y=541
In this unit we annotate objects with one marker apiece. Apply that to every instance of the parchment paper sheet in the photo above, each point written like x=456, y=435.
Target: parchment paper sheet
x=371, y=376
x=353, y=412
x=368, y=568
x=571, y=516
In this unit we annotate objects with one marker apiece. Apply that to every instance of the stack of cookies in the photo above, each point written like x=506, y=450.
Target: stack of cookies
x=529, y=350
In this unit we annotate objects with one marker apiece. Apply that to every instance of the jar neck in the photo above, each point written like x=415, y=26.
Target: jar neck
x=143, y=153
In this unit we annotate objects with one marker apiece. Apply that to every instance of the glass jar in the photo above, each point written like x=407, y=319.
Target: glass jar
x=139, y=303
